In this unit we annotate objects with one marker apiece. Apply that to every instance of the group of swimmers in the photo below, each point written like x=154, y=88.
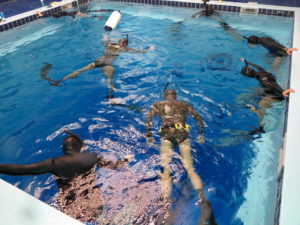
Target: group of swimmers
x=174, y=129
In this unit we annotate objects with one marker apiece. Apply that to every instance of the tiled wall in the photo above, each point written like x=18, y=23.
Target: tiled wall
x=27, y=19
x=219, y=7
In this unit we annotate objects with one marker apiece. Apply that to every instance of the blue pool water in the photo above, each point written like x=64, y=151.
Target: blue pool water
x=198, y=58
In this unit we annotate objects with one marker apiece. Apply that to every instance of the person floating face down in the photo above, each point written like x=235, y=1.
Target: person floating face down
x=72, y=14
x=105, y=62
x=276, y=49
x=272, y=90
x=79, y=195
x=174, y=131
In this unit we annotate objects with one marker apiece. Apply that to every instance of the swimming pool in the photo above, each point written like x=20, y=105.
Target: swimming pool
x=231, y=165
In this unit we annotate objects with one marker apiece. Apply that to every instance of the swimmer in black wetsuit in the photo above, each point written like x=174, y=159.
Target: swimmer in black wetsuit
x=79, y=194
x=272, y=91
x=73, y=14
x=210, y=12
x=274, y=48
x=111, y=52
x=68, y=166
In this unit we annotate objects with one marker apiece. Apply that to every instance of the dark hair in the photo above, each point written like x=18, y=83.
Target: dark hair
x=253, y=39
x=72, y=143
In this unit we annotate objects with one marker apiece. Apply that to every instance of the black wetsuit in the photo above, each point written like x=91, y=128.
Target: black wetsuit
x=273, y=46
x=267, y=80
x=66, y=166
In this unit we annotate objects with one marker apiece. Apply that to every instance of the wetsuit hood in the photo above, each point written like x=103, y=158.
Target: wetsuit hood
x=72, y=143
x=253, y=39
x=248, y=72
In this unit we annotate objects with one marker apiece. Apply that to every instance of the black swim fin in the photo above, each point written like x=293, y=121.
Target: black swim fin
x=207, y=217
x=44, y=71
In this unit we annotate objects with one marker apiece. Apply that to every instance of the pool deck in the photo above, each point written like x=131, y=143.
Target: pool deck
x=291, y=183
x=290, y=161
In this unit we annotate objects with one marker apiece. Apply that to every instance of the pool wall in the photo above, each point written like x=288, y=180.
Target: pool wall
x=30, y=16
x=288, y=195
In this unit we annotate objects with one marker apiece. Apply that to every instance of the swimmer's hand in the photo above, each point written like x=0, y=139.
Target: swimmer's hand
x=150, y=141
x=200, y=138
x=290, y=50
x=242, y=59
x=39, y=14
x=287, y=92
x=151, y=47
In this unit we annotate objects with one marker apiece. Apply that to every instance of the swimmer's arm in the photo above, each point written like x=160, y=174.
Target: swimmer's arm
x=105, y=40
x=30, y=169
x=198, y=14
x=271, y=43
x=102, y=10
x=153, y=112
x=112, y=165
x=277, y=88
x=197, y=118
x=140, y=51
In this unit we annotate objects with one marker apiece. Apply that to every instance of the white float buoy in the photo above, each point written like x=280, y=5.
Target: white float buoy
x=112, y=21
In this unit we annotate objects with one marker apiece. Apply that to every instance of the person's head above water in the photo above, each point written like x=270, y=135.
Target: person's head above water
x=248, y=71
x=124, y=41
x=252, y=39
x=209, y=10
x=170, y=94
x=72, y=143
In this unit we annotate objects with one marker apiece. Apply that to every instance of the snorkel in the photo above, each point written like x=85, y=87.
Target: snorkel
x=127, y=39
x=165, y=88
x=247, y=70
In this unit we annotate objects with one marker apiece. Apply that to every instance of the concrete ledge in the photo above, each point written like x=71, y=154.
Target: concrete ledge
x=19, y=208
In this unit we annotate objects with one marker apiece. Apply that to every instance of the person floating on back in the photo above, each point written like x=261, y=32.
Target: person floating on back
x=276, y=49
x=273, y=92
x=72, y=14
x=175, y=132
x=111, y=52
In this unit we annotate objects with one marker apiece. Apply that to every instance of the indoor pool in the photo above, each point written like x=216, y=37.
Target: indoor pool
x=197, y=58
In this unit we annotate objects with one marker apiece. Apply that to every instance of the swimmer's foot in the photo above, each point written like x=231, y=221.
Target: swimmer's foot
x=45, y=70
x=251, y=107
x=207, y=217
x=201, y=198
x=166, y=217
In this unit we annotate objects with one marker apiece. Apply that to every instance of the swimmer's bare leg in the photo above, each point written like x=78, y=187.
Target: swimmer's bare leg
x=77, y=72
x=187, y=162
x=109, y=73
x=166, y=152
x=276, y=63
